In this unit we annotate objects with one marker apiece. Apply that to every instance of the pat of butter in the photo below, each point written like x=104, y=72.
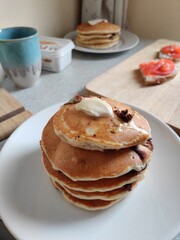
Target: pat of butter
x=95, y=107
x=96, y=21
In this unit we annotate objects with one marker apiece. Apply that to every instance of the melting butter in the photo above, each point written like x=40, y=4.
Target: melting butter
x=95, y=107
x=96, y=21
x=132, y=125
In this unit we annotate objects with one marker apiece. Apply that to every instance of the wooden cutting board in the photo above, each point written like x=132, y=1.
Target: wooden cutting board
x=12, y=114
x=124, y=83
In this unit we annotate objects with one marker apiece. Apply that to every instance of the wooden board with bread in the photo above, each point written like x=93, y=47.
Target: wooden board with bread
x=124, y=82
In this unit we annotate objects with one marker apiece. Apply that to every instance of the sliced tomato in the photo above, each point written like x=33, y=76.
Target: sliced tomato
x=166, y=67
x=162, y=67
x=171, y=50
x=168, y=49
x=177, y=50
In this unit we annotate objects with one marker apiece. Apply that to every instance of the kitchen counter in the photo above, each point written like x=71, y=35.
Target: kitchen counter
x=60, y=87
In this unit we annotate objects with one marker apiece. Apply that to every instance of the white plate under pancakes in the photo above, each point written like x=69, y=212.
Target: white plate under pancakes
x=33, y=209
x=127, y=41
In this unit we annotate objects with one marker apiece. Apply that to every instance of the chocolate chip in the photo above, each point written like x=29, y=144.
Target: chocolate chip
x=112, y=131
x=124, y=115
x=149, y=144
x=141, y=153
x=76, y=137
x=128, y=187
x=75, y=99
x=112, y=36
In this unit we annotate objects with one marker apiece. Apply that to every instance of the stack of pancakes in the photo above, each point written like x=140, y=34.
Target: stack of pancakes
x=96, y=161
x=102, y=35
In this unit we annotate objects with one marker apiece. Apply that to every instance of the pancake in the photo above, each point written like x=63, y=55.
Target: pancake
x=95, y=36
x=102, y=35
x=97, y=41
x=99, y=28
x=108, y=195
x=100, y=133
x=96, y=46
x=95, y=151
x=102, y=185
x=81, y=164
x=92, y=205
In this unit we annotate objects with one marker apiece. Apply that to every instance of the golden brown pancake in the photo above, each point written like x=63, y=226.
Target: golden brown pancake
x=108, y=195
x=99, y=28
x=100, y=133
x=92, y=205
x=95, y=151
x=102, y=35
x=96, y=45
x=82, y=164
x=94, y=41
x=101, y=185
x=95, y=36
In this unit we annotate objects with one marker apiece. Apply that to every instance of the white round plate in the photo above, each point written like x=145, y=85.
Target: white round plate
x=127, y=41
x=32, y=208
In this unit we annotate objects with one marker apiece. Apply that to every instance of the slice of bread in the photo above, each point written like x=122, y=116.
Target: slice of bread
x=171, y=52
x=156, y=80
x=151, y=71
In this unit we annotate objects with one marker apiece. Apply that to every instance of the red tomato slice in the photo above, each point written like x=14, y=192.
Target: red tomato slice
x=162, y=67
x=177, y=50
x=168, y=49
x=172, y=51
x=166, y=68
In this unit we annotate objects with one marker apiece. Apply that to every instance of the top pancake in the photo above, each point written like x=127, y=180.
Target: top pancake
x=100, y=133
x=99, y=28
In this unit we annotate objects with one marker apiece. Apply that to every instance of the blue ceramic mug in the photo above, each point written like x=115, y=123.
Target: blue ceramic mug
x=20, y=55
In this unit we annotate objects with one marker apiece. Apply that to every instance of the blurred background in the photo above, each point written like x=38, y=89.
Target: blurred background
x=148, y=19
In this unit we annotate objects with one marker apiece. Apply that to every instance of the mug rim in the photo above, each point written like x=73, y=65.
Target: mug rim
x=18, y=39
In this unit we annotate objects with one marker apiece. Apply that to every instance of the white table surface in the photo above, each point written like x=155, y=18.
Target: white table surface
x=62, y=86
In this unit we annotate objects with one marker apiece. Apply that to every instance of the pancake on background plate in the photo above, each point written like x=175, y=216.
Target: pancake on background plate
x=97, y=34
x=96, y=150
